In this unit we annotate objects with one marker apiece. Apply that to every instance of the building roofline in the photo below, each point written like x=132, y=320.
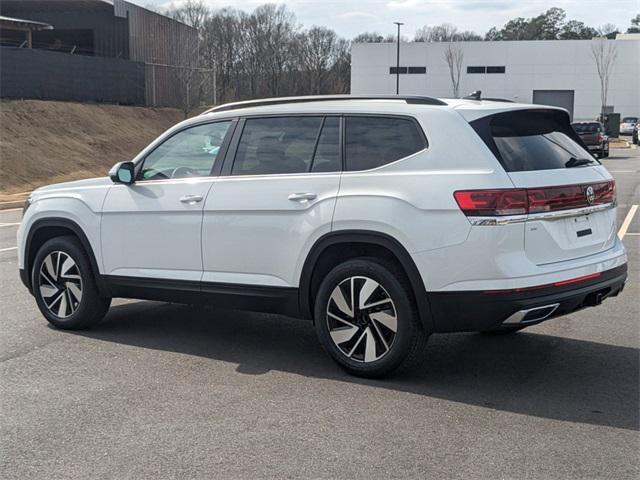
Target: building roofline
x=21, y=22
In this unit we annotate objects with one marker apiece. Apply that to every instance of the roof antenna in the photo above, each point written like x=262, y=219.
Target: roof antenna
x=475, y=95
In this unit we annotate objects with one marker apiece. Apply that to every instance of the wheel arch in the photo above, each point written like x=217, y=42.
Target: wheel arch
x=359, y=239
x=47, y=228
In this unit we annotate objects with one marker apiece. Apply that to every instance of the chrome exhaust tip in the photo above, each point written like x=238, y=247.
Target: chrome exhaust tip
x=530, y=315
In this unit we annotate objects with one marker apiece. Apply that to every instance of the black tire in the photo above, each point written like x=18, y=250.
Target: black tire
x=605, y=153
x=504, y=329
x=90, y=308
x=404, y=348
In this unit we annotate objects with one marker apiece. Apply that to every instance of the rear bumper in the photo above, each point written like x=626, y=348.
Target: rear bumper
x=473, y=311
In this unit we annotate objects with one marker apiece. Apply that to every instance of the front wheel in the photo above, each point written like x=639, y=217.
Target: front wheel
x=64, y=285
x=366, y=319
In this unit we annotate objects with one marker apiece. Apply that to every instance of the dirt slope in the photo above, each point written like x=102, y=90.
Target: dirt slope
x=46, y=142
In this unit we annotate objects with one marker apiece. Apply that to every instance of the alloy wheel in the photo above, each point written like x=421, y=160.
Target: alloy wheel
x=361, y=319
x=60, y=284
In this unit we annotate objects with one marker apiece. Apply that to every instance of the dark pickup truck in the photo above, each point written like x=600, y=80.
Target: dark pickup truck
x=594, y=137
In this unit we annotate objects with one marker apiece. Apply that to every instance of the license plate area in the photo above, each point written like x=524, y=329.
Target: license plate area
x=560, y=239
x=582, y=226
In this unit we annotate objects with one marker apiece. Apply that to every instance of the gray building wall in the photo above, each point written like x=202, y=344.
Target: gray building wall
x=157, y=44
x=542, y=65
x=40, y=74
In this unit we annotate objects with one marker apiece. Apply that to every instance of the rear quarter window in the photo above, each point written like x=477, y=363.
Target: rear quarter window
x=527, y=140
x=371, y=142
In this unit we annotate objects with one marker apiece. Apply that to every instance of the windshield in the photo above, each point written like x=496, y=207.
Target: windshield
x=527, y=140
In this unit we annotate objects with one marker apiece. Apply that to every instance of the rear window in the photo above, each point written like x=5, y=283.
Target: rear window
x=526, y=140
x=586, y=127
x=630, y=120
x=375, y=141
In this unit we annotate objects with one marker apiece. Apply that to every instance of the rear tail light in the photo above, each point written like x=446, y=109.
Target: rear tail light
x=518, y=201
x=492, y=202
x=600, y=137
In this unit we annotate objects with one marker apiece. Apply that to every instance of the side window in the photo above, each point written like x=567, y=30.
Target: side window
x=375, y=141
x=276, y=145
x=189, y=153
x=327, y=157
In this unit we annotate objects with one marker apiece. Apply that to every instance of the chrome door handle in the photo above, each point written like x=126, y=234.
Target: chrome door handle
x=191, y=199
x=302, y=197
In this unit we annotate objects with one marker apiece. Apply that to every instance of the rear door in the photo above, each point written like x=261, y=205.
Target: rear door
x=275, y=198
x=571, y=195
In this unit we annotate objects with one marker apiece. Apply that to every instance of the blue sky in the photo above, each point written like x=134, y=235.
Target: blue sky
x=350, y=17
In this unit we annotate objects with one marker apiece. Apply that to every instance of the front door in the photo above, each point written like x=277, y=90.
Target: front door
x=152, y=228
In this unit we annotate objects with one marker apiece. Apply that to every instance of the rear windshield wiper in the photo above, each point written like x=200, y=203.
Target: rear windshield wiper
x=578, y=162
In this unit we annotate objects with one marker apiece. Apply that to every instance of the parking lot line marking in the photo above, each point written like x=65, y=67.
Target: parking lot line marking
x=627, y=221
x=9, y=224
x=9, y=209
x=623, y=171
x=8, y=249
x=632, y=233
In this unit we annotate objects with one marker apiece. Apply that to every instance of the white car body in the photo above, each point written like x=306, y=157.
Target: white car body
x=247, y=232
x=627, y=125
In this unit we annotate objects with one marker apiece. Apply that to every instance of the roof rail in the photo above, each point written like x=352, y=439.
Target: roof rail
x=411, y=99
x=498, y=100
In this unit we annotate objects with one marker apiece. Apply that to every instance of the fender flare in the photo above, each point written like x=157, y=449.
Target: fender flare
x=368, y=237
x=78, y=232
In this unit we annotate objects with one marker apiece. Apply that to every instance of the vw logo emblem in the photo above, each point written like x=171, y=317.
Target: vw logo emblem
x=590, y=195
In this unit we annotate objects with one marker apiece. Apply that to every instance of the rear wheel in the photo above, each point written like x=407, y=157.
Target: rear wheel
x=366, y=320
x=64, y=285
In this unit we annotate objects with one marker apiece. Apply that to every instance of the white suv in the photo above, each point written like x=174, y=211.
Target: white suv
x=383, y=219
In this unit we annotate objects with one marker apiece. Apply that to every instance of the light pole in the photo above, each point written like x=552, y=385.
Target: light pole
x=398, y=60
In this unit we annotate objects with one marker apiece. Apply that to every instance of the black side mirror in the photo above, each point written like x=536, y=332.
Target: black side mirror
x=123, y=172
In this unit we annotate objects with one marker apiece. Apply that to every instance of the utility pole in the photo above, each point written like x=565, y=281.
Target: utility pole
x=398, y=60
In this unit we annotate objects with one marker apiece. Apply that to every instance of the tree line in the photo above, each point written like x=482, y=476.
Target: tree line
x=267, y=53
x=263, y=53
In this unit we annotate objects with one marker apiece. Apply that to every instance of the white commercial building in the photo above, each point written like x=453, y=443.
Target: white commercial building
x=555, y=72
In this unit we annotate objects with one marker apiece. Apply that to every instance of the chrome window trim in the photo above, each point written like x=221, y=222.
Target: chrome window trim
x=557, y=215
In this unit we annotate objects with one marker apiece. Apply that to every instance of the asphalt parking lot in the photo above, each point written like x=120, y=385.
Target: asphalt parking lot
x=168, y=391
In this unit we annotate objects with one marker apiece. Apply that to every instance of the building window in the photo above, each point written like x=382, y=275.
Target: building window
x=491, y=69
x=403, y=70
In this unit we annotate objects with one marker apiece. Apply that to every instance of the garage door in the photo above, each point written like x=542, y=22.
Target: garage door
x=557, y=98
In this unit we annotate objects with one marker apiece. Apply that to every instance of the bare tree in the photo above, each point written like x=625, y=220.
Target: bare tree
x=444, y=33
x=188, y=73
x=191, y=12
x=604, y=54
x=454, y=55
x=318, y=48
x=221, y=51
